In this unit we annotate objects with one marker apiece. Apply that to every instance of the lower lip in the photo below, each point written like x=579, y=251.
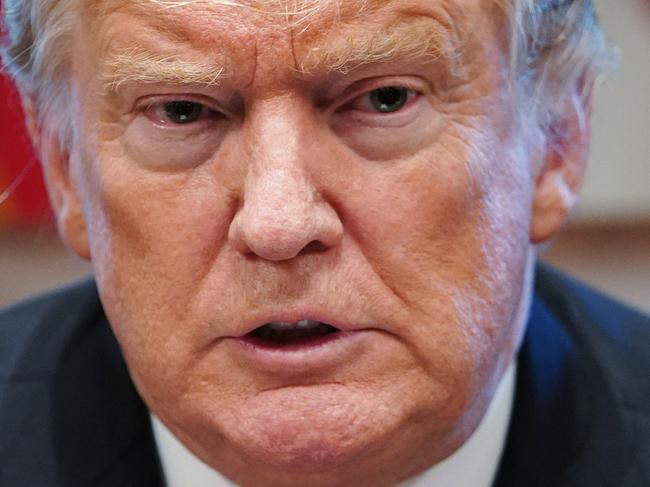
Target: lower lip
x=299, y=357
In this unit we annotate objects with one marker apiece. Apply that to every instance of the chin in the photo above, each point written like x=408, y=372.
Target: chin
x=312, y=428
x=318, y=434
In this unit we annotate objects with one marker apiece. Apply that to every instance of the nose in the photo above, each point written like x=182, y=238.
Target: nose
x=283, y=216
x=283, y=213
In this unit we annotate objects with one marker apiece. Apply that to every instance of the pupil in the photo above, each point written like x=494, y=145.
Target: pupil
x=389, y=99
x=183, y=111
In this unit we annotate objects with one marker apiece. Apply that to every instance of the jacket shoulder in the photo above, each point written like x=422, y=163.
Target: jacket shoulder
x=609, y=332
x=612, y=345
x=69, y=413
x=611, y=336
x=34, y=332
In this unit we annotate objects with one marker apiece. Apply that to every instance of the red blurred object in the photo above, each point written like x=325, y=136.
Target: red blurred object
x=20, y=173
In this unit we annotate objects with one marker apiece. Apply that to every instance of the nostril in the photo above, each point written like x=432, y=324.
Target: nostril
x=314, y=247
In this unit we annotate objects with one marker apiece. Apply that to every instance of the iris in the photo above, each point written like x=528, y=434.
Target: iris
x=183, y=111
x=389, y=99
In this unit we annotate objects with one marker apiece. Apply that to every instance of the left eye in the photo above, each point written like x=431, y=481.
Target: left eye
x=385, y=100
x=183, y=111
x=389, y=99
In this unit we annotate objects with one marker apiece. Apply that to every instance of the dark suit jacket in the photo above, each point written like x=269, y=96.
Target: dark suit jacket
x=70, y=416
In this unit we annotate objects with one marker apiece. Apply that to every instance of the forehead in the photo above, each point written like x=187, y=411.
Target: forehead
x=238, y=37
x=299, y=16
x=293, y=12
x=176, y=16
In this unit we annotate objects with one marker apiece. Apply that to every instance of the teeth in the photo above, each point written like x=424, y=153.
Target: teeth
x=308, y=324
x=301, y=325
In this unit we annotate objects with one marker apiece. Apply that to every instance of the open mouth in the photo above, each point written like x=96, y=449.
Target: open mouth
x=303, y=332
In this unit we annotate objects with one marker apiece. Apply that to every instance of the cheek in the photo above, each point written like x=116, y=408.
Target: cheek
x=396, y=136
x=446, y=232
x=153, y=238
x=421, y=216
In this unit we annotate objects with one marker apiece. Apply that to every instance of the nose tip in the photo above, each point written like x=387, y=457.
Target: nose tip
x=284, y=239
x=283, y=229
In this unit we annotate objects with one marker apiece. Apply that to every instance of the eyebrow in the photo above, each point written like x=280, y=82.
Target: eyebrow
x=138, y=65
x=421, y=39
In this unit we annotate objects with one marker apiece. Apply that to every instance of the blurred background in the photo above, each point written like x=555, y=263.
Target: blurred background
x=607, y=243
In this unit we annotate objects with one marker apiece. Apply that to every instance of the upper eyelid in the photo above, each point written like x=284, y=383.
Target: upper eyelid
x=405, y=80
x=350, y=101
x=365, y=87
x=358, y=87
x=147, y=111
x=146, y=103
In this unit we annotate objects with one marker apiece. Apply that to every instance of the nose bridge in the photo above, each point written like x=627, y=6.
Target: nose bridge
x=282, y=211
x=277, y=182
x=278, y=196
x=275, y=128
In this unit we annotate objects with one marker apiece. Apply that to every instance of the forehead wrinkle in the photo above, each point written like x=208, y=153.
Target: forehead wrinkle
x=294, y=13
x=157, y=26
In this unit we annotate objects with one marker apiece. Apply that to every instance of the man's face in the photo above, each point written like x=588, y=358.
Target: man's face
x=359, y=166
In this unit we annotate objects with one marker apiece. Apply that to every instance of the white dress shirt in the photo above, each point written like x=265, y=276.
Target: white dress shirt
x=472, y=465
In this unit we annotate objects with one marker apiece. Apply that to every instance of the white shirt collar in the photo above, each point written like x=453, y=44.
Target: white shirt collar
x=472, y=465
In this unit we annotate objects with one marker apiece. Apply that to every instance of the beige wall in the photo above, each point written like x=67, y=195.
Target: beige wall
x=31, y=263
x=614, y=259
x=617, y=187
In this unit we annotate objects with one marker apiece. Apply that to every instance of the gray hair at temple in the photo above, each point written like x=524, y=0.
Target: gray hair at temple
x=554, y=45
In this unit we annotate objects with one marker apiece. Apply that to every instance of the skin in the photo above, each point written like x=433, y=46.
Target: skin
x=415, y=226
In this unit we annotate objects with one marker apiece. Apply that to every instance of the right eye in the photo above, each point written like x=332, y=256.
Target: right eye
x=183, y=111
x=179, y=112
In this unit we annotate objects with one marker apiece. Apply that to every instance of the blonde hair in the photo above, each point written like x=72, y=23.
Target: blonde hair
x=554, y=44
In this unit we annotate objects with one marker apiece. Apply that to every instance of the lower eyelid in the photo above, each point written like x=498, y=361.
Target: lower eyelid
x=407, y=117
